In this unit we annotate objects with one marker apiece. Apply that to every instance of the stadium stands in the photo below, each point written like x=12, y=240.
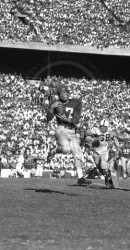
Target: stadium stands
x=97, y=23
x=23, y=113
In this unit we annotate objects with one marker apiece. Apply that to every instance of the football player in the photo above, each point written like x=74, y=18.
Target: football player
x=67, y=112
x=125, y=157
x=100, y=143
x=86, y=145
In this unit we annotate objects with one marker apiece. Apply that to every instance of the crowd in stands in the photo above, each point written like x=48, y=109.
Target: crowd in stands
x=23, y=106
x=99, y=23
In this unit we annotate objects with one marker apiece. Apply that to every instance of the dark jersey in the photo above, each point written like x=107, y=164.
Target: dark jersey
x=72, y=111
x=125, y=150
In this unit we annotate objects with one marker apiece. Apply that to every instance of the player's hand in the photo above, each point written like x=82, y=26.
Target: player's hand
x=63, y=118
x=55, y=105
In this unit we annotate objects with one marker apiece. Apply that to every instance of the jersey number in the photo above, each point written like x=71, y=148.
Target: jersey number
x=126, y=151
x=69, y=112
x=105, y=137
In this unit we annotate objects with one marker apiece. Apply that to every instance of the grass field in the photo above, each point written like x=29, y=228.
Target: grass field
x=56, y=214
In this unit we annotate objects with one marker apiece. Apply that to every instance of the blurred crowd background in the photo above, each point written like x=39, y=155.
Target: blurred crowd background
x=101, y=23
x=23, y=106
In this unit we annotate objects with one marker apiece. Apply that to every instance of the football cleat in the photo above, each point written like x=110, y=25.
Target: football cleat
x=108, y=179
x=109, y=183
x=83, y=180
x=111, y=180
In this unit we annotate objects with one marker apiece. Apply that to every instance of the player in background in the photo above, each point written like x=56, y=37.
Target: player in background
x=101, y=137
x=124, y=153
x=89, y=166
x=67, y=112
x=124, y=160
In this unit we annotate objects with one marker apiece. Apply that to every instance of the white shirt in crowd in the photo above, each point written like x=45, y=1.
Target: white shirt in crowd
x=20, y=163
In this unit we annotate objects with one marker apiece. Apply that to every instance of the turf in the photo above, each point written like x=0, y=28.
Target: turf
x=57, y=214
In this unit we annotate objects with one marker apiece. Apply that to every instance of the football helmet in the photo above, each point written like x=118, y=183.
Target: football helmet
x=104, y=124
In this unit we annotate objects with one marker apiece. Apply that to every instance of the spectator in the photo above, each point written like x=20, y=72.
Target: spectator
x=4, y=161
x=20, y=164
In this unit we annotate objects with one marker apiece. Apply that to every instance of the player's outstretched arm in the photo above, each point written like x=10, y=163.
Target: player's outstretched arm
x=120, y=137
x=123, y=138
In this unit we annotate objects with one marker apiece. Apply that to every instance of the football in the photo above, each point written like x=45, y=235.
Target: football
x=60, y=109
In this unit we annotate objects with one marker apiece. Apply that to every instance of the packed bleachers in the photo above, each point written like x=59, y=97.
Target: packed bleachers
x=23, y=107
x=96, y=23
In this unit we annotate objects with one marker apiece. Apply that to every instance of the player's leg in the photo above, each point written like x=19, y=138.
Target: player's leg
x=110, y=176
x=97, y=158
x=120, y=168
x=124, y=166
x=117, y=166
x=97, y=161
x=128, y=168
x=62, y=144
x=77, y=154
x=114, y=165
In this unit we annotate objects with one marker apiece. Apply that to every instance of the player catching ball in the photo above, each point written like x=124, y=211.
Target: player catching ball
x=67, y=112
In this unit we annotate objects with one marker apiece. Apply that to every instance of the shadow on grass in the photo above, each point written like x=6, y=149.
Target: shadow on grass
x=91, y=186
x=97, y=186
x=49, y=191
